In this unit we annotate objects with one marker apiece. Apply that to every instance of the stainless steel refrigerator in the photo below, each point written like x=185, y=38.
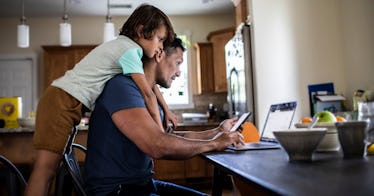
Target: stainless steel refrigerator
x=239, y=73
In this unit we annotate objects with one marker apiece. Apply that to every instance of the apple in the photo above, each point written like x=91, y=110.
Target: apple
x=326, y=116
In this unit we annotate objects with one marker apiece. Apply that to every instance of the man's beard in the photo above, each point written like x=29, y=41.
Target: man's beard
x=164, y=84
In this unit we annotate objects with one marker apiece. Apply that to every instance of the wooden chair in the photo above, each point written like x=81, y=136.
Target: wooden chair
x=16, y=183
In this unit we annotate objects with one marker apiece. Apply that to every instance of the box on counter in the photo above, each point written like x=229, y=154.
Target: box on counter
x=10, y=110
x=194, y=118
x=332, y=103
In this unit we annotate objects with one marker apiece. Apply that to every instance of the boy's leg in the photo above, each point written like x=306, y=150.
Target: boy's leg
x=43, y=173
x=56, y=115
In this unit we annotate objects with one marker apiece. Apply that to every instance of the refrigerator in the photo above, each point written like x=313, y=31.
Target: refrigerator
x=239, y=73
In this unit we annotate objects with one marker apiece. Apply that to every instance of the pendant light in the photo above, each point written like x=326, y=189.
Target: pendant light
x=23, y=30
x=108, y=27
x=65, y=29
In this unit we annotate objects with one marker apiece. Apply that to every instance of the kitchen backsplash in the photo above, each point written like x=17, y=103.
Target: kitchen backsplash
x=201, y=103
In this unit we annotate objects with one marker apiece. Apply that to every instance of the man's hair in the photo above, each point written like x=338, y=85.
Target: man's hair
x=151, y=18
x=172, y=47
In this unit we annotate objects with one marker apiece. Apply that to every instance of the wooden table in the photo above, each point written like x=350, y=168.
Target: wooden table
x=272, y=173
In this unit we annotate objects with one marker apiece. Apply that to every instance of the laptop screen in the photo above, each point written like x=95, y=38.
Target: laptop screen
x=279, y=117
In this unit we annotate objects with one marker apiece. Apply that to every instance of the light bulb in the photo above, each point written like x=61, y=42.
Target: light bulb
x=65, y=34
x=23, y=36
x=108, y=32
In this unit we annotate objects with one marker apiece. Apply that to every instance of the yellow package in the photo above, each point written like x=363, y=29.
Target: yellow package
x=10, y=110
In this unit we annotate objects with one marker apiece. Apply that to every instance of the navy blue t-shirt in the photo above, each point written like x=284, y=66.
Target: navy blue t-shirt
x=111, y=158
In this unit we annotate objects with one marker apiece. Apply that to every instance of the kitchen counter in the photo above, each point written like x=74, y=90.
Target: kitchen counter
x=270, y=173
x=29, y=130
x=16, y=143
x=16, y=130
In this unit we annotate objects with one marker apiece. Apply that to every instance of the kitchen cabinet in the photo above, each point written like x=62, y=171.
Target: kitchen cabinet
x=219, y=39
x=211, y=64
x=195, y=167
x=205, y=71
x=58, y=59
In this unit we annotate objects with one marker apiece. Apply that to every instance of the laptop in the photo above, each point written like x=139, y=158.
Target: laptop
x=279, y=117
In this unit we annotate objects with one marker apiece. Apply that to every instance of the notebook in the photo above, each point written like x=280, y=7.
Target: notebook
x=279, y=117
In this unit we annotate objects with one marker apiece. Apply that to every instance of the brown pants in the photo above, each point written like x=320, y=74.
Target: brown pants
x=57, y=113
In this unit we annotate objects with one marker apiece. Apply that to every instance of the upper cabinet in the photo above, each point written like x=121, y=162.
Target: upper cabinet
x=205, y=71
x=211, y=62
x=57, y=60
x=219, y=40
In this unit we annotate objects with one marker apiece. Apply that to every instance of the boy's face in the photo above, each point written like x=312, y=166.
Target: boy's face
x=153, y=46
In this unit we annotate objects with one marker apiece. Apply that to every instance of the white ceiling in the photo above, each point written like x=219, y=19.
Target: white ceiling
x=53, y=8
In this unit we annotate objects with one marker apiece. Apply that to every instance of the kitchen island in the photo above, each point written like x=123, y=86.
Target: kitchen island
x=16, y=145
x=268, y=172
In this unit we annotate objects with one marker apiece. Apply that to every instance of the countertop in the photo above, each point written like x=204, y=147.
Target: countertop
x=29, y=130
x=327, y=174
x=85, y=128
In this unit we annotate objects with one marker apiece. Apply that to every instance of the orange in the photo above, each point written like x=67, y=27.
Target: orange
x=306, y=120
x=340, y=119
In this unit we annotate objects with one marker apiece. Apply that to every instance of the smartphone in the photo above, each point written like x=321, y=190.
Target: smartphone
x=240, y=121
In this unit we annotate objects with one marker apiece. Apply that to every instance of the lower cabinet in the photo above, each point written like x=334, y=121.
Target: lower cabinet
x=195, y=167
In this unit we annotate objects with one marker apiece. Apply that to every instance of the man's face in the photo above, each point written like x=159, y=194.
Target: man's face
x=169, y=68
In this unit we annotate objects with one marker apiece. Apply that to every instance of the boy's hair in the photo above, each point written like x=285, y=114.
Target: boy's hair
x=171, y=47
x=151, y=18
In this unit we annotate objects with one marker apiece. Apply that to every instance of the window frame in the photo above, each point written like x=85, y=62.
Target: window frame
x=188, y=53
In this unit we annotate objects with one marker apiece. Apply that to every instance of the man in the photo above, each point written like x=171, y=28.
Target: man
x=123, y=138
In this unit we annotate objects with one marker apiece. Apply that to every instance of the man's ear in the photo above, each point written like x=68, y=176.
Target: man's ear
x=159, y=56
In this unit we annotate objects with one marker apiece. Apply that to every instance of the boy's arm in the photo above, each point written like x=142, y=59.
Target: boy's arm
x=169, y=116
x=149, y=97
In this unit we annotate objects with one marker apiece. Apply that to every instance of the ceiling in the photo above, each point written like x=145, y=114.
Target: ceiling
x=54, y=8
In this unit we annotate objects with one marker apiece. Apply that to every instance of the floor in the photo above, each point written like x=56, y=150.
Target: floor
x=205, y=186
x=225, y=192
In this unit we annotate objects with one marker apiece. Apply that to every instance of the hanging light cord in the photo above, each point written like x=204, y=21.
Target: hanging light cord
x=108, y=17
x=23, y=18
x=65, y=17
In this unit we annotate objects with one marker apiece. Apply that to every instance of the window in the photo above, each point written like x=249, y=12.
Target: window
x=179, y=96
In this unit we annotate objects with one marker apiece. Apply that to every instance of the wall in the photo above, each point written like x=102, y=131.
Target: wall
x=358, y=38
x=301, y=42
x=88, y=30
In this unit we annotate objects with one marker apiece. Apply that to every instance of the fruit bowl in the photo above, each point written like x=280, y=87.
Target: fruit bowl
x=26, y=122
x=330, y=141
x=300, y=143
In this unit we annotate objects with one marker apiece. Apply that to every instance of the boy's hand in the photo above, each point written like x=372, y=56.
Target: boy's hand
x=170, y=117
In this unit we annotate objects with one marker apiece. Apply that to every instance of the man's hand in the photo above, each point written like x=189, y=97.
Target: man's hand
x=229, y=138
x=226, y=125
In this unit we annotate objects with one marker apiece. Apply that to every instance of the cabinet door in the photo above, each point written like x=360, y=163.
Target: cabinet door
x=57, y=60
x=169, y=169
x=219, y=40
x=196, y=167
x=205, y=70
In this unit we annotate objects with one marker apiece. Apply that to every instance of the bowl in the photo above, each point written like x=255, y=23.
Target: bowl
x=300, y=143
x=26, y=122
x=330, y=141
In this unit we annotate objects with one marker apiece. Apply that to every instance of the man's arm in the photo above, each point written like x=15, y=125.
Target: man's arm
x=140, y=128
x=203, y=135
x=207, y=134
